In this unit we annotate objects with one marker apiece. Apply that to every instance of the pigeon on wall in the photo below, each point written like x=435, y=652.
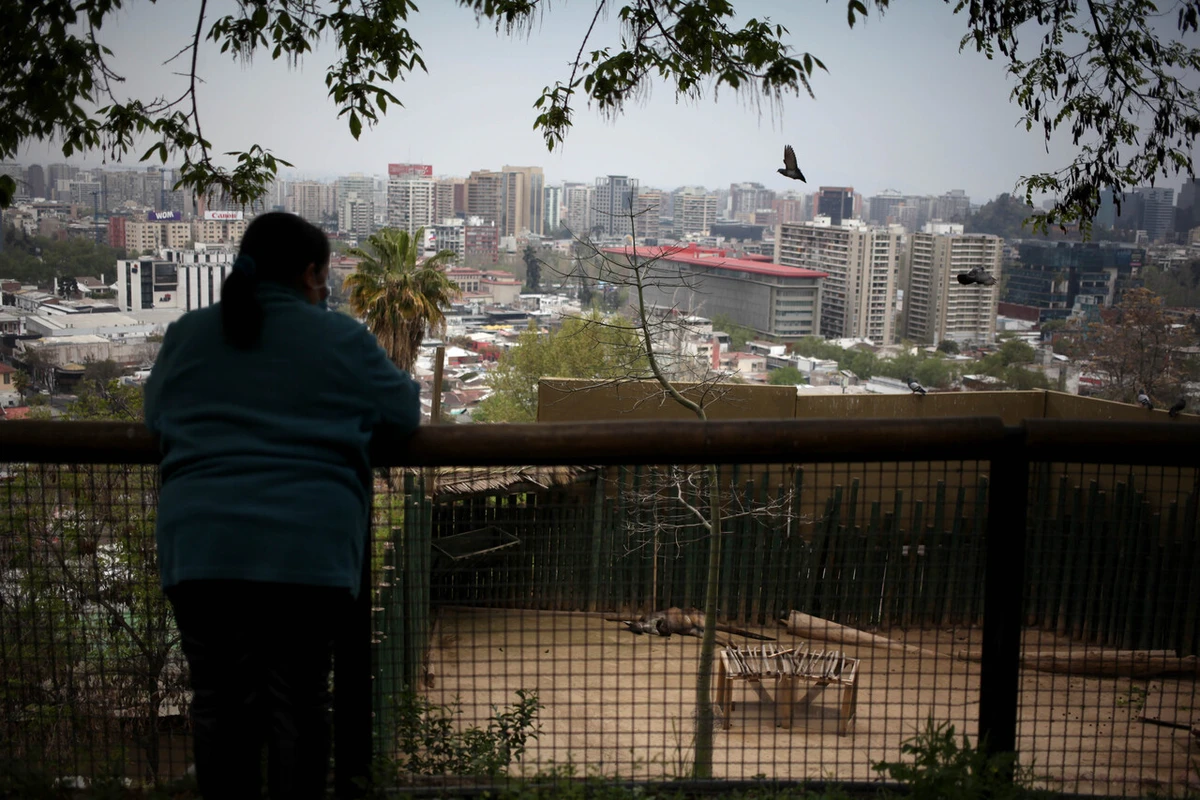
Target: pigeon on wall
x=1144, y=400
x=1178, y=408
x=916, y=387
x=789, y=169
x=976, y=275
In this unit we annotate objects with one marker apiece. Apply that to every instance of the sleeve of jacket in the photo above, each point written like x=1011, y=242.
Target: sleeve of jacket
x=395, y=394
x=152, y=391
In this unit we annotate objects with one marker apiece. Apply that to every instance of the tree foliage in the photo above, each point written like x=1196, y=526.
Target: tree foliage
x=1105, y=72
x=39, y=260
x=1140, y=347
x=401, y=295
x=739, y=335
x=1179, y=287
x=1005, y=216
x=586, y=347
x=785, y=376
x=1101, y=70
x=91, y=656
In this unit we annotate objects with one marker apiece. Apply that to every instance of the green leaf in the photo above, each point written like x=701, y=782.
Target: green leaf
x=8, y=189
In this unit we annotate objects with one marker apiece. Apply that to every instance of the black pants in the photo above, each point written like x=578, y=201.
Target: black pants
x=260, y=656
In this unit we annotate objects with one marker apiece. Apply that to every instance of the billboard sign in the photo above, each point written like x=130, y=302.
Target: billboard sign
x=410, y=170
x=223, y=215
x=163, y=216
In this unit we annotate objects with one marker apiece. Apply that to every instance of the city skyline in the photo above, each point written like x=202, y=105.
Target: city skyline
x=900, y=109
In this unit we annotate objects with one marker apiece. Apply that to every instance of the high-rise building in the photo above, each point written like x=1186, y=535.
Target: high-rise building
x=355, y=201
x=552, y=201
x=36, y=177
x=953, y=206
x=485, y=195
x=1054, y=277
x=579, y=199
x=1187, y=211
x=1158, y=212
x=884, y=208
x=411, y=197
x=647, y=211
x=56, y=173
x=451, y=198
x=695, y=210
x=835, y=202
x=858, y=298
x=315, y=202
x=746, y=199
x=936, y=306
x=791, y=207
x=524, y=201
x=613, y=203
x=473, y=239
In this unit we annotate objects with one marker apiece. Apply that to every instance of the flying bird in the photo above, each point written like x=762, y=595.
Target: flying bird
x=916, y=387
x=1178, y=408
x=976, y=275
x=1144, y=400
x=790, y=169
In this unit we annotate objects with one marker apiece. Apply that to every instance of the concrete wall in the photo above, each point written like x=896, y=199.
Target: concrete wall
x=578, y=400
x=1012, y=407
x=563, y=400
x=566, y=400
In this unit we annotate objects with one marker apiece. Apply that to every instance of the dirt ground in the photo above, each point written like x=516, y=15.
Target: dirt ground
x=622, y=705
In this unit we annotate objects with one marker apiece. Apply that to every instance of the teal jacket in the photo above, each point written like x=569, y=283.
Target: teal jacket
x=265, y=472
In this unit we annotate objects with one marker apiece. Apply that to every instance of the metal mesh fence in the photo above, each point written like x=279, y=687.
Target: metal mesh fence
x=571, y=600
x=520, y=620
x=1108, y=701
x=94, y=682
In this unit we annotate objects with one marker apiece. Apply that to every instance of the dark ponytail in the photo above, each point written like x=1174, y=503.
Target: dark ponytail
x=276, y=247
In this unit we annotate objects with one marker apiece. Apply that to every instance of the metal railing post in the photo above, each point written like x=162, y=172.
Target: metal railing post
x=1003, y=594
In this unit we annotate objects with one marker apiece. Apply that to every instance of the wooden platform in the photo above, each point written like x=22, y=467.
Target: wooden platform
x=818, y=669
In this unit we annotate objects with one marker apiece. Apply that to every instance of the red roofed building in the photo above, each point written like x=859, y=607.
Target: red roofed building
x=773, y=300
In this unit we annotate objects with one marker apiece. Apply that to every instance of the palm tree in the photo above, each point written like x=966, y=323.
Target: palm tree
x=401, y=296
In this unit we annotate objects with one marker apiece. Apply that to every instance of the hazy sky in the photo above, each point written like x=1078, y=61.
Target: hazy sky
x=900, y=108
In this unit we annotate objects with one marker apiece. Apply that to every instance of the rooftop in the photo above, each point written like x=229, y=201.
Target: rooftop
x=712, y=257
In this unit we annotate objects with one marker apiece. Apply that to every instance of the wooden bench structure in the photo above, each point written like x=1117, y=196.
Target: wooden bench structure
x=819, y=668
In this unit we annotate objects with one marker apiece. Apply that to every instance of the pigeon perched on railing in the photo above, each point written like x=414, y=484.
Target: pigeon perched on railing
x=1178, y=408
x=790, y=170
x=976, y=275
x=1144, y=400
x=916, y=387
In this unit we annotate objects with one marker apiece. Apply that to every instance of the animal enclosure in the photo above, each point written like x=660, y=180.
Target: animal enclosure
x=892, y=549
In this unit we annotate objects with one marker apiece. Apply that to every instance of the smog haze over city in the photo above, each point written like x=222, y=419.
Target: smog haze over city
x=900, y=107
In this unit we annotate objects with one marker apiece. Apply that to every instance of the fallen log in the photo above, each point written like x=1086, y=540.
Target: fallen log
x=809, y=627
x=1103, y=663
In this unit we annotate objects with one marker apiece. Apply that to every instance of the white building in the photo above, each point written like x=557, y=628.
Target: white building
x=175, y=279
x=411, y=197
x=553, y=205
x=579, y=199
x=118, y=327
x=859, y=296
x=356, y=204
x=936, y=305
x=695, y=210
